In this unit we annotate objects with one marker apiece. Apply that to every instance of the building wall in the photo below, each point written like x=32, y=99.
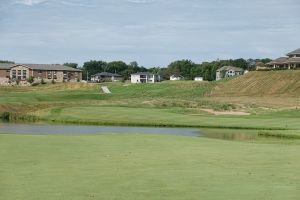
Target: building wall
x=4, y=76
x=4, y=73
x=22, y=73
x=228, y=73
x=135, y=79
x=148, y=79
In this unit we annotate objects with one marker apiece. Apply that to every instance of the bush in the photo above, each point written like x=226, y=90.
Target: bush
x=43, y=82
x=34, y=84
x=53, y=81
x=30, y=80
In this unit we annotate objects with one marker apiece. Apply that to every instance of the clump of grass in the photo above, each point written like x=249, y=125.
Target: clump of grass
x=15, y=117
x=278, y=135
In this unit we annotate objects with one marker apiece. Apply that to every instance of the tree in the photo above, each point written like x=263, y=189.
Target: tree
x=7, y=61
x=73, y=65
x=182, y=66
x=93, y=67
x=116, y=67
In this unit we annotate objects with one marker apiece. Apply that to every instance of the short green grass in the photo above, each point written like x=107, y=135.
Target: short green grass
x=168, y=117
x=125, y=166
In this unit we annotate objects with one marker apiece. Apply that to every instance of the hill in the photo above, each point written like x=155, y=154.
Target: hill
x=261, y=84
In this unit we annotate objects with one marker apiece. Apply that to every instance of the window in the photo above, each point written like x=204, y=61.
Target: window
x=24, y=74
x=14, y=74
x=49, y=75
x=19, y=74
x=54, y=75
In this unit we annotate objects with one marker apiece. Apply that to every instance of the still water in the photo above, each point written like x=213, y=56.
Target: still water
x=79, y=129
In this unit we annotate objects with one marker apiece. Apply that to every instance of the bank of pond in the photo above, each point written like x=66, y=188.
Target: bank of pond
x=227, y=134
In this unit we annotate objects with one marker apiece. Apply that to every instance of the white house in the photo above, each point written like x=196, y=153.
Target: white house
x=176, y=77
x=198, y=78
x=228, y=71
x=144, y=77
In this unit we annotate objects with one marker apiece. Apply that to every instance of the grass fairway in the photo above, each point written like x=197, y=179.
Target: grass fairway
x=168, y=117
x=124, y=166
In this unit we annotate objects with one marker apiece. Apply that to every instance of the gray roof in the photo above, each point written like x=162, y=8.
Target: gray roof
x=284, y=60
x=54, y=67
x=107, y=74
x=297, y=51
x=143, y=73
x=227, y=68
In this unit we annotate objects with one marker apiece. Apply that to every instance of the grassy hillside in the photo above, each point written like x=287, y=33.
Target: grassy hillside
x=261, y=83
x=179, y=103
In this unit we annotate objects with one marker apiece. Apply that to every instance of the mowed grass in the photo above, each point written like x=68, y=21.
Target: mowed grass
x=168, y=117
x=125, y=166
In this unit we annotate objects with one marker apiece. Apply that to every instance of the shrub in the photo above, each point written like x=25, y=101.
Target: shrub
x=18, y=81
x=30, y=80
x=53, y=81
x=34, y=84
x=43, y=82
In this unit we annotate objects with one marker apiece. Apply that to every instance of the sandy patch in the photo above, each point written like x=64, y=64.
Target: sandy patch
x=225, y=112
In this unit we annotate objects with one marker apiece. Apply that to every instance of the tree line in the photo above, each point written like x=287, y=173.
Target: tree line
x=186, y=68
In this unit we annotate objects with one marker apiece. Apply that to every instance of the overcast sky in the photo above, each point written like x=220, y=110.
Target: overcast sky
x=151, y=32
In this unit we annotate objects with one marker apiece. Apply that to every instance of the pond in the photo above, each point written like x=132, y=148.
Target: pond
x=79, y=129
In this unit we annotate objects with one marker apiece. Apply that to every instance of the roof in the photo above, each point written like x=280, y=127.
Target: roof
x=295, y=52
x=54, y=67
x=173, y=75
x=278, y=60
x=227, y=68
x=106, y=74
x=284, y=60
x=143, y=73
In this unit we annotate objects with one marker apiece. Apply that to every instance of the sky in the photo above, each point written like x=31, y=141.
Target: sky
x=151, y=32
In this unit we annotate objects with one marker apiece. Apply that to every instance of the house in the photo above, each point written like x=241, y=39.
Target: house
x=292, y=60
x=176, y=77
x=198, y=78
x=261, y=66
x=47, y=72
x=105, y=76
x=144, y=77
x=228, y=71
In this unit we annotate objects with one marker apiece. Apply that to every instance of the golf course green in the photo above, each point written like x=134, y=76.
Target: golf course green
x=134, y=166
x=250, y=149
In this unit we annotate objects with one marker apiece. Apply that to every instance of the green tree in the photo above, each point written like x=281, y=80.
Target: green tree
x=73, y=65
x=183, y=67
x=93, y=67
x=7, y=61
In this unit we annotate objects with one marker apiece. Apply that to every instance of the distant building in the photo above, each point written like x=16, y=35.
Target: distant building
x=228, y=71
x=261, y=66
x=105, y=76
x=176, y=77
x=198, y=78
x=48, y=72
x=292, y=61
x=144, y=77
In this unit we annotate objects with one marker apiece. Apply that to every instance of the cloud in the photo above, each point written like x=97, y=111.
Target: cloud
x=68, y=3
x=140, y=1
x=29, y=2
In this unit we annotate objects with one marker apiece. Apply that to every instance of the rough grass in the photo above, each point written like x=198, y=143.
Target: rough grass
x=145, y=167
x=262, y=83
